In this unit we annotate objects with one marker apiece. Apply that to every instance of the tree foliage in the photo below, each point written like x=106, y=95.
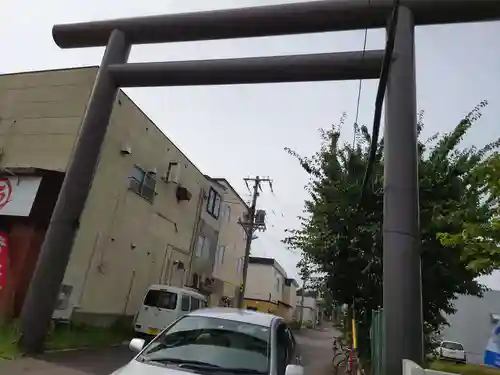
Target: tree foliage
x=481, y=239
x=344, y=239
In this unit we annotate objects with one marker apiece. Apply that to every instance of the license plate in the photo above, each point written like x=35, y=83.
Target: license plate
x=153, y=331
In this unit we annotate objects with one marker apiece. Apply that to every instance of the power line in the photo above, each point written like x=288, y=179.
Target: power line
x=359, y=88
x=379, y=100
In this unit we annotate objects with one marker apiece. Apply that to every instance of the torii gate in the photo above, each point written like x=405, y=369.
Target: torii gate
x=401, y=256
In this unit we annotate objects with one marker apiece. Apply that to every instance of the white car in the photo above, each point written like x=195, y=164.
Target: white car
x=218, y=341
x=452, y=351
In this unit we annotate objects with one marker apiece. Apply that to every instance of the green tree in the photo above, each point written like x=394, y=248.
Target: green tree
x=481, y=239
x=345, y=241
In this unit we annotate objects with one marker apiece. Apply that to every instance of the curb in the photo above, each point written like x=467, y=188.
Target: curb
x=124, y=343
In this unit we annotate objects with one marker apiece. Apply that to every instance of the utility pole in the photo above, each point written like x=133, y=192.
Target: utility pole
x=250, y=226
x=402, y=285
x=302, y=295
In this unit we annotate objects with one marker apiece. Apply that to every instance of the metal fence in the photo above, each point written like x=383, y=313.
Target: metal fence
x=377, y=342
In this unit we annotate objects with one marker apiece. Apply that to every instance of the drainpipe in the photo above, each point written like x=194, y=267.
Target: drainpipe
x=194, y=236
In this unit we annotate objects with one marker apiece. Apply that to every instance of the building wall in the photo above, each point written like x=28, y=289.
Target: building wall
x=292, y=300
x=260, y=279
x=261, y=306
x=228, y=268
x=310, y=310
x=289, y=300
x=40, y=116
x=124, y=242
x=124, y=239
x=277, y=287
x=267, y=281
x=472, y=324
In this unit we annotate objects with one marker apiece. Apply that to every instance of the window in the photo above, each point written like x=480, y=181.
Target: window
x=452, y=345
x=203, y=247
x=219, y=255
x=277, y=284
x=143, y=183
x=195, y=303
x=214, y=203
x=185, y=303
x=228, y=213
x=161, y=299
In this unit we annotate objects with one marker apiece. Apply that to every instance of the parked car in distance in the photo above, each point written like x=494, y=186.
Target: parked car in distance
x=451, y=351
x=164, y=304
x=218, y=341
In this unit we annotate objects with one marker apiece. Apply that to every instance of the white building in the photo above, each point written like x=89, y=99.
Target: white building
x=473, y=323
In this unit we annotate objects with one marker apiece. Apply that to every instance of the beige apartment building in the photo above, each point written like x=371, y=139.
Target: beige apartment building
x=151, y=215
x=269, y=289
x=229, y=257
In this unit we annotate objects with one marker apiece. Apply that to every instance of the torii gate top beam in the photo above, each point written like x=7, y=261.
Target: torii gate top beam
x=295, y=18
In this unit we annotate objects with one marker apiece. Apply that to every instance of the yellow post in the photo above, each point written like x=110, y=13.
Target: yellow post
x=354, y=337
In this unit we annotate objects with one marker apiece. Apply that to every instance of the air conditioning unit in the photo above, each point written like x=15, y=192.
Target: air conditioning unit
x=173, y=173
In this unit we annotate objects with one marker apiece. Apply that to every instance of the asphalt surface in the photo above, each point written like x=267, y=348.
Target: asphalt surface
x=315, y=346
x=316, y=349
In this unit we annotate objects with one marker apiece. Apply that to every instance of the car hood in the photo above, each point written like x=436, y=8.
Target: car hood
x=138, y=368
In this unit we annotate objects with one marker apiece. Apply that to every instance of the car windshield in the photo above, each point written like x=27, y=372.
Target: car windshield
x=452, y=346
x=214, y=343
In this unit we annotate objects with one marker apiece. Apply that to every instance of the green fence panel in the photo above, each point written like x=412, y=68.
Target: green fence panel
x=377, y=342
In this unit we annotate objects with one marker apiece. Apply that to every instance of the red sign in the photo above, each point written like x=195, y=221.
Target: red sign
x=5, y=191
x=4, y=259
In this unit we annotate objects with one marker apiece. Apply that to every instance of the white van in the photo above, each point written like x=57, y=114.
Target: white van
x=162, y=305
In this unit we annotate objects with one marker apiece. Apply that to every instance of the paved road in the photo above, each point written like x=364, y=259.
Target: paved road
x=316, y=349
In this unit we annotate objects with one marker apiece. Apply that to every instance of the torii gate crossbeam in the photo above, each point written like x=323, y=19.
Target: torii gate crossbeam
x=402, y=279
x=285, y=19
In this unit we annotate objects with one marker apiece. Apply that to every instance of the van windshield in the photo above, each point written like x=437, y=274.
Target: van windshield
x=161, y=299
x=452, y=346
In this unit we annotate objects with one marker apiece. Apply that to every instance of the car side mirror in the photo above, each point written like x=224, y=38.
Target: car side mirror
x=294, y=370
x=136, y=345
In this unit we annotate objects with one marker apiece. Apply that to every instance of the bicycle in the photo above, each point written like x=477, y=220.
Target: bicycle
x=350, y=363
x=344, y=357
x=338, y=344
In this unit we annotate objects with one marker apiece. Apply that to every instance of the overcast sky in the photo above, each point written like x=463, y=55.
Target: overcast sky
x=240, y=131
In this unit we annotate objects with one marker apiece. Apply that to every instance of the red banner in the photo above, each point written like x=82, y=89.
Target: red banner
x=4, y=259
